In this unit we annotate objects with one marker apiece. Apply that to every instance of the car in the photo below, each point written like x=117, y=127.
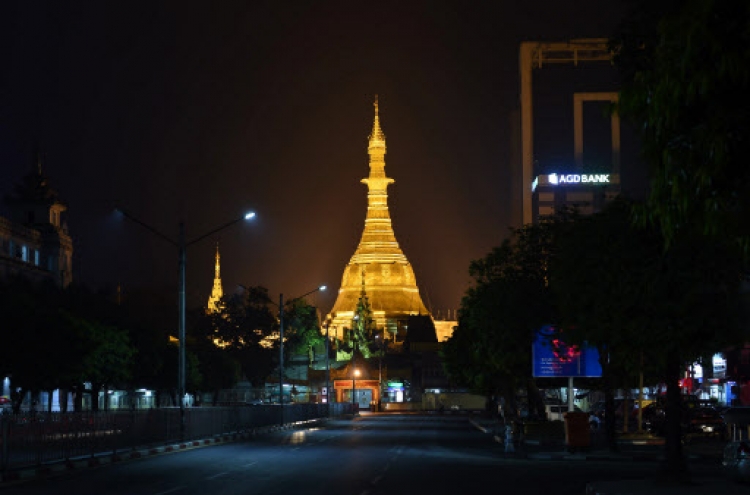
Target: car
x=704, y=421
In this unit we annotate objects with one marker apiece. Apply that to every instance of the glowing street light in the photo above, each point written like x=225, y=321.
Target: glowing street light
x=182, y=245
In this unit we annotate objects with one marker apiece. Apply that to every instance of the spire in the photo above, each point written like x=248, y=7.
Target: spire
x=217, y=275
x=392, y=293
x=216, y=292
x=377, y=138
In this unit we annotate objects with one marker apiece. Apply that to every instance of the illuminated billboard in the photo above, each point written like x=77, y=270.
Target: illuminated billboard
x=551, y=357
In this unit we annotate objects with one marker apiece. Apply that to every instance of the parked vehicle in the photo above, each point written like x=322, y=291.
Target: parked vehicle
x=704, y=421
x=695, y=422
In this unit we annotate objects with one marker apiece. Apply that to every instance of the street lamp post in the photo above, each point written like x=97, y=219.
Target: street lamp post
x=182, y=246
x=380, y=369
x=355, y=374
x=281, y=347
x=328, y=370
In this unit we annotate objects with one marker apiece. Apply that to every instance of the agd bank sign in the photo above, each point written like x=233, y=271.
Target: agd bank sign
x=555, y=179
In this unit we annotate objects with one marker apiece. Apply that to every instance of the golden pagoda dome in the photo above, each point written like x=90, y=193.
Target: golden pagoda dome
x=378, y=266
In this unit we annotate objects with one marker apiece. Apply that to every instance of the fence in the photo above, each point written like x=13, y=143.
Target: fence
x=34, y=439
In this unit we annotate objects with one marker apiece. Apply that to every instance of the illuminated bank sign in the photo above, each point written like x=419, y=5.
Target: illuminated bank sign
x=552, y=357
x=561, y=179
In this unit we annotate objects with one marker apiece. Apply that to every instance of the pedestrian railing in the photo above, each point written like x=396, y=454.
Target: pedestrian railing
x=35, y=439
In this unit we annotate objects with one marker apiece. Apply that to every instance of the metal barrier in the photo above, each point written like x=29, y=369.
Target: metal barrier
x=34, y=439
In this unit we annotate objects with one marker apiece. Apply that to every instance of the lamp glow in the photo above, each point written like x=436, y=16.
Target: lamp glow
x=249, y=215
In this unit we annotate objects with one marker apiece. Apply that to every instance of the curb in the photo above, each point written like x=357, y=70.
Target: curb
x=104, y=459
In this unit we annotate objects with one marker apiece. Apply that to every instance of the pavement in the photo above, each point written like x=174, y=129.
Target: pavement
x=632, y=448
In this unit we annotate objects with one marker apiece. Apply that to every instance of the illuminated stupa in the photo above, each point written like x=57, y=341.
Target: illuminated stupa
x=216, y=291
x=378, y=266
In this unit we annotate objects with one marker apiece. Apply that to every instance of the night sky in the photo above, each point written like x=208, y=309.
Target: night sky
x=199, y=111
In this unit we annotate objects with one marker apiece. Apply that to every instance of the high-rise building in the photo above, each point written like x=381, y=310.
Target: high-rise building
x=378, y=267
x=573, y=150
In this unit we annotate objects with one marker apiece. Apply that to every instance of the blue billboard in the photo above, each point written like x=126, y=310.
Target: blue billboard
x=551, y=357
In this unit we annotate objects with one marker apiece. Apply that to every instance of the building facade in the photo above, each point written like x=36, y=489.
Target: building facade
x=34, y=238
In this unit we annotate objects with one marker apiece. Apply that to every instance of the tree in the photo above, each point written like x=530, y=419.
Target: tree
x=490, y=350
x=241, y=328
x=618, y=289
x=686, y=69
x=685, y=66
x=302, y=327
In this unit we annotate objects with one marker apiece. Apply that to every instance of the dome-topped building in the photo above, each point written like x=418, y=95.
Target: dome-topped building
x=378, y=266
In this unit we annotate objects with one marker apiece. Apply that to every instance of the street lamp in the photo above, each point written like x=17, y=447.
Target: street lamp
x=328, y=369
x=182, y=245
x=355, y=374
x=380, y=338
x=281, y=347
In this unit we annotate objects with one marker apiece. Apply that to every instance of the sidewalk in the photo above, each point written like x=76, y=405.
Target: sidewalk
x=631, y=450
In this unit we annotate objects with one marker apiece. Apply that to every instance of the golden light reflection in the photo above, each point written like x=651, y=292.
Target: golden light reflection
x=299, y=436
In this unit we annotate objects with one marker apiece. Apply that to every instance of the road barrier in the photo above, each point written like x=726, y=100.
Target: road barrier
x=34, y=439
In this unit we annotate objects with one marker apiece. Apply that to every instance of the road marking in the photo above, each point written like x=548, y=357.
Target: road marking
x=251, y=464
x=217, y=475
x=170, y=490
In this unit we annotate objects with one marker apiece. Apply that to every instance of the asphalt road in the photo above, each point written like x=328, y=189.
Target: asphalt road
x=369, y=455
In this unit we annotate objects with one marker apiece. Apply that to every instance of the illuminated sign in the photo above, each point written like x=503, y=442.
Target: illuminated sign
x=552, y=357
x=555, y=179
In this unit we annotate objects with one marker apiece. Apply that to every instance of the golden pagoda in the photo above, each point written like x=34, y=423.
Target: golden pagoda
x=216, y=292
x=378, y=266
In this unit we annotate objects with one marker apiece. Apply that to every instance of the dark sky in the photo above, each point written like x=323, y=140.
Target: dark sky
x=197, y=111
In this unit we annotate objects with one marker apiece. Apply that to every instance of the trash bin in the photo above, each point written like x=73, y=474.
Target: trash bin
x=577, y=435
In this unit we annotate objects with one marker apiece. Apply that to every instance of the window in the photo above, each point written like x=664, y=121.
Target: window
x=36, y=257
x=24, y=253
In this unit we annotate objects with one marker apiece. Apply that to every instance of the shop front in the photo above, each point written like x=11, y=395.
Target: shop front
x=363, y=392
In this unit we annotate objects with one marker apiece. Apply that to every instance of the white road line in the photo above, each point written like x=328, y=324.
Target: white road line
x=251, y=464
x=170, y=490
x=217, y=475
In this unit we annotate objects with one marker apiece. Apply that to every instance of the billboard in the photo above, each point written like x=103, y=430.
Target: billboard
x=551, y=357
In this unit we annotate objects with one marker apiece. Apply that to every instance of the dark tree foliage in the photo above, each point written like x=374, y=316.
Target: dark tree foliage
x=685, y=67
x=67, y=331
x=240, y=329
x=490, y=350
x=302, y=330
x=644, y=308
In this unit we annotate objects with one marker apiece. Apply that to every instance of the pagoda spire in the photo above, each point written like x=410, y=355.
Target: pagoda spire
x=377, y=137
x=216, y=292
x=392, y=292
